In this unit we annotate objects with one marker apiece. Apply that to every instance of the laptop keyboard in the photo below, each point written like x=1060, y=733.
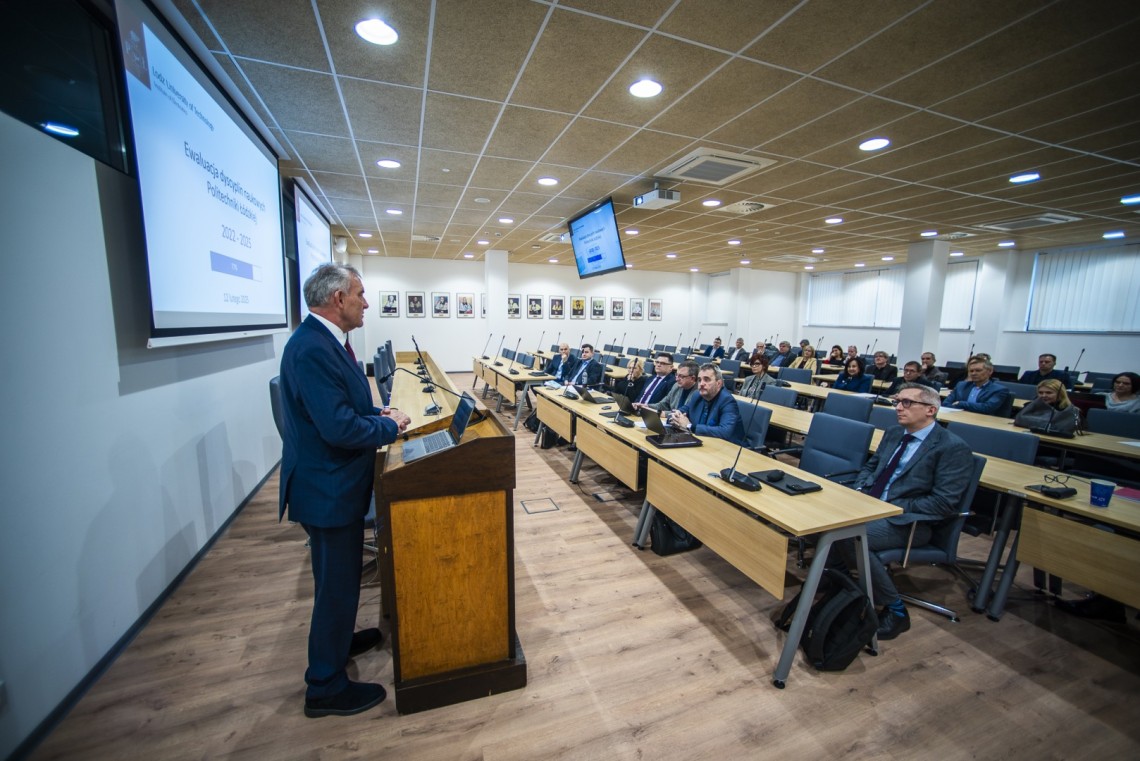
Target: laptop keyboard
x=436, y=442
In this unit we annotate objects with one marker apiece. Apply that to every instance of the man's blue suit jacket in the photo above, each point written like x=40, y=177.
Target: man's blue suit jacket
x=716, y=353
x=993, y=399
x=933, y=480
x=331, y=431
x=722, y=420
x=554, y=366
x=592, y=376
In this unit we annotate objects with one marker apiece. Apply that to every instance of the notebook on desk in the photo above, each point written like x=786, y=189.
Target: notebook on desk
x=665, y=439
x=442, y=440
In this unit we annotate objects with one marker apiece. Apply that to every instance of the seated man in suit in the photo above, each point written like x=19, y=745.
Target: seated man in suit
x=655, y=389
x=740, y=354
x=684, y=386
x=716, y=351
x=882, y=369
x=1046, y=370
x=922, y=468
x=979, y=392
x=912, y=373
x=930, y=369
x=784, y=357
x=712, y=411
x=561, y=367
x=588, y=372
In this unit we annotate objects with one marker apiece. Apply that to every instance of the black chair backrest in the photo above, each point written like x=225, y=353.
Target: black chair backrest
x=1125, y=424
x=848, y=406
x=776, y=395
x=275, y=404
x=1008, y=445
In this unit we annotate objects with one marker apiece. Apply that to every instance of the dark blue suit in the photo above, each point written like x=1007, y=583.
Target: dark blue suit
x=555, y=367
x=590, y=376
x=993, y=398
x=1034, y=377
x=659, y=391
x=716, y=353
x=859, y=384
x=332, y=432
x=719, y=418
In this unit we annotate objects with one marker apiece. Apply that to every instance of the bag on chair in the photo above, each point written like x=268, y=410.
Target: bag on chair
x=841, y=622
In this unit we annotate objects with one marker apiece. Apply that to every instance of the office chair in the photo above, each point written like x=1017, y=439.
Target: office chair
x=730, y=366
x=679, y=357
x=848, y=406
x=942, y=549
x=1025, y=391
x=785, y=397
x=795, y=374
x=756, y=419
x=883, y=417
x=1126, y=424
x=275, y=404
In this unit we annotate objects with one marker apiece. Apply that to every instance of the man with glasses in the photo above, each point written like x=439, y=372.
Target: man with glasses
x=656, y=388
x=712, y=411
x=979, y=392
x=912, y=373
x=922, y=468
x=680, y=391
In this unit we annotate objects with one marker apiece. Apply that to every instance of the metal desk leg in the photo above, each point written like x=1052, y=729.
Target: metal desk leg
x=807, y=594
x=1009, y=514
x=644, y=521
x=997, y=605
x=538, y=433
x=485, y=387
x=519, y=406
x=576, y=467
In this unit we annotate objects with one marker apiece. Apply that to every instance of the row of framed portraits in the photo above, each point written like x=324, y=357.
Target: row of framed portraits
x=415, y=304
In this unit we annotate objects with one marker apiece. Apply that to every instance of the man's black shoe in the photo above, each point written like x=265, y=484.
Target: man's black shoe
x=364, y=640
x=353, y=699
x=892, y=624
x=1095, y=606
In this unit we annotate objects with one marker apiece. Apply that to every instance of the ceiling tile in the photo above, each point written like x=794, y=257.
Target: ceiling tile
x=802, y=102
x=382, y=113
x=526, y=133
x=319, y=111
x=458, y=124
x=353, y=57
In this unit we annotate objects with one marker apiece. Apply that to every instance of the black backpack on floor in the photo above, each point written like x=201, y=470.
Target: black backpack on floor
x=841, y=622
x=668, y=538
x=549, y=438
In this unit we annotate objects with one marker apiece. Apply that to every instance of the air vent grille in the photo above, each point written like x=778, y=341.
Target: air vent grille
x=554, y=238
x=425, y=238
x=712, y=167
x=1025, y=223
x=955, y=236
x=794, y=259
x=744, y=207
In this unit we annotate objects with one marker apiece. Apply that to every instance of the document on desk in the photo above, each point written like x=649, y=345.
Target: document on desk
x=950, y=409
x=1130, y=443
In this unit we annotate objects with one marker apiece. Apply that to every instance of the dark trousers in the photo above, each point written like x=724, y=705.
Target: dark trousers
x=336, y=555
x=882, y=535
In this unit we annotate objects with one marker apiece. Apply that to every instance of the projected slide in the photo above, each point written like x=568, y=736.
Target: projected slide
x=210, y=193
x=314, y=242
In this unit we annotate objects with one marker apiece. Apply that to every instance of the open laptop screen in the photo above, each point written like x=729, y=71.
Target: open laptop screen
x=461, y=417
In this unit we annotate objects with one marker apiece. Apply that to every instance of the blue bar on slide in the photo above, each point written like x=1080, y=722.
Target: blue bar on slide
x=229, y=266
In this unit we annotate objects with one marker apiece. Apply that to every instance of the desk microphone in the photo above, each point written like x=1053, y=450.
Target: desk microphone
x=498, y=352
x=732, y=475
x=621, y=347
x=873, y=346
x=533, y=371
x=696, y=347
x=971, y=354
x=1078, y=361
x=426, y=389
x=679, y=337
x=423, y=365
x=511, y=369
x=490, y=336
x=474, y=410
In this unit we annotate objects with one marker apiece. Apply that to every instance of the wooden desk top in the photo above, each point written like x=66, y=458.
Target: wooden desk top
x=525, y=375
x=409, y=398
x=1100, y=443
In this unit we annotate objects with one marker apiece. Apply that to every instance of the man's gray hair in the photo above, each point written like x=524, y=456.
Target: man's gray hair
x=978, y=359
x=926, y=394
x=326, y=280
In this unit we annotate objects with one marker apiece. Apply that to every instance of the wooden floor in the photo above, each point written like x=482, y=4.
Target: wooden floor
x=630, y=656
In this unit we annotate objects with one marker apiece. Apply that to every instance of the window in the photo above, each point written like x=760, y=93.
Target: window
x=1086, y=290
x=958, y=296
x=857, y=299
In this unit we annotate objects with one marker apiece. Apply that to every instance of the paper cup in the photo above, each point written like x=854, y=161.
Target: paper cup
x=1100, y=492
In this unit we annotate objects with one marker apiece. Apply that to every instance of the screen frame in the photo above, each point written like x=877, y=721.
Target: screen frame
x=612, y=221
x=301, y=195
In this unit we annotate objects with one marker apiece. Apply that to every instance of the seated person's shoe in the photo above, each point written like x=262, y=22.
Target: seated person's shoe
x=1094, y=606
x=892, y=624
x=353, y=699
x=364, y=640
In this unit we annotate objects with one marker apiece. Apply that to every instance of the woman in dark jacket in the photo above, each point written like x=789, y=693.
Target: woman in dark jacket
x=1051, y=411
x=853, y=378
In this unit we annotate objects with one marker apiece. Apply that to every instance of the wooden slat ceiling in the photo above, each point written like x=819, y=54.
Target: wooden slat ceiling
x=478, y=99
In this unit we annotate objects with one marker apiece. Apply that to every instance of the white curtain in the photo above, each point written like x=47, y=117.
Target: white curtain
x=1086, y=290
x=958, y=296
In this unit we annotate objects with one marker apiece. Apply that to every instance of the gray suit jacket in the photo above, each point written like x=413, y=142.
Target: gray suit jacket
x=933, y=480
x=672, y=400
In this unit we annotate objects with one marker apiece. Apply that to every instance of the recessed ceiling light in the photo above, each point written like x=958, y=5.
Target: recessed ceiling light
x=373, y=250
x=1114, y=234
x=388, y=164
x=860, y=264
x=365, y=235
x=874, y=144
x=928, y=233
x=1129, y=200
x=548, y=181
x=1007, y=244
x=746, y=261
x=552, y=261
x=808, y=267
x=694, y=269
x=888, y=258
x=670, y=256
x=834, y=220
x=536, y=246
x=445, y=170
x=817, y=250
x=631, y=231
x=1017, y=179
x=376, y=31
x=710, y=202
x=394, y=212
x=60, y=129
x=482, y=200
x=734, y=242
x=506, y=221
x=483, y=242
x=644, y=88
x=956, y=253
x=469, y=256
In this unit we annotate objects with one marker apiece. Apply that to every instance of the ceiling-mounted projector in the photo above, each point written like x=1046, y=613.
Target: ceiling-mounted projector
x=657, y=199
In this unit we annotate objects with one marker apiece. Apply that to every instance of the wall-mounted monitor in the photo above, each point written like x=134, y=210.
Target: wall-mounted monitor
x=596, y=241
x=314, y=241
x=210, y=191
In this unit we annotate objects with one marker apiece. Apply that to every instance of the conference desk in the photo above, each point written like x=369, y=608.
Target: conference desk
x=750, y=530
x=506, y=384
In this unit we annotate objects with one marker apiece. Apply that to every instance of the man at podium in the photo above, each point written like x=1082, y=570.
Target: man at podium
x=331, y=435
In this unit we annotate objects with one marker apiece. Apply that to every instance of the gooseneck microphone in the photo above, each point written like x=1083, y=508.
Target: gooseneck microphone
x=621, y=346
x=499, y=351
x=511, y=368
x=490, y=337
x=1078, y=362
x=732, y=475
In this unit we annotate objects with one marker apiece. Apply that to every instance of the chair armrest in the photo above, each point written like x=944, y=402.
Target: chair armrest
x=797, y=451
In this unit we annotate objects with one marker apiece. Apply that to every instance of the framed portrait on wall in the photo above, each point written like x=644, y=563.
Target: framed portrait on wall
x=465, y=305
x=577, y=307
x=415, y=303
x=534, y=307
x=617, y=309
x=637, y=309
x=557, y=307
x=389, y=303
x=597, y=307
x=514, y=305
x=440, y=304
x=655, y=309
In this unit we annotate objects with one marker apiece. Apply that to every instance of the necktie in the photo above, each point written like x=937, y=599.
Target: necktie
x=884, y=478
x=649, y=390
x=348, y=348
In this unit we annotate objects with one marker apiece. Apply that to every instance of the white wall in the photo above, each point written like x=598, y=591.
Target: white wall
x=118, y=463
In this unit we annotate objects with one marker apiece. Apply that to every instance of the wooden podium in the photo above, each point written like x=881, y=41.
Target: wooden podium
x=447, y=569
